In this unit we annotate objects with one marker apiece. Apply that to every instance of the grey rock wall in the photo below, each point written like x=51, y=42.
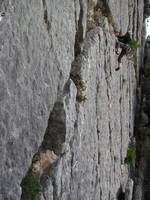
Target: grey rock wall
x=37, y=47
x=97, y=131
x=38, y=107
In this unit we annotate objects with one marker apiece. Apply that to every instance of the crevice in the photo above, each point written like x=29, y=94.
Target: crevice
x=137, y=23
x=46, y=20
x=120, y=194
x=79, y=31
x=75, y=13
x=134, y=20
x=80, y=85
x=96, y=184
x=109, y=196
x=110, y=137
x=96, y=103
x=75, y=73
x=121, y=133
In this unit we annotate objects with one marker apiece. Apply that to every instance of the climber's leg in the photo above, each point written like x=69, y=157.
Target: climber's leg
x=123, y=52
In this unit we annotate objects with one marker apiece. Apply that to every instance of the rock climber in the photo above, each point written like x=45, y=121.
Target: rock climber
x=123, y=42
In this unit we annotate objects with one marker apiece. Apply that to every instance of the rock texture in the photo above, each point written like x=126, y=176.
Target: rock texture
x=41, y=43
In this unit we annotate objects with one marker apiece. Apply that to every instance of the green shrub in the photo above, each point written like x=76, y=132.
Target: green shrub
x=76, y=62
x=30, y=186
x=134, y=44
x=131, y=154
x=82, y=98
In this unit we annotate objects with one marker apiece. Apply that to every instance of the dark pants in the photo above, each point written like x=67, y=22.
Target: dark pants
x=123, y=51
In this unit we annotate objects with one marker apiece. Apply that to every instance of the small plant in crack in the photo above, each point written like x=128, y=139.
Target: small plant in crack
x=134, y=45
x=76, y=63
x=30, y=186
x=131, y=154
x=78, y=82
x=80, y=85
x=82, y=98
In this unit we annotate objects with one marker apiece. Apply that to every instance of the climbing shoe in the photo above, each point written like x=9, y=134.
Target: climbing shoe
x=117, y=68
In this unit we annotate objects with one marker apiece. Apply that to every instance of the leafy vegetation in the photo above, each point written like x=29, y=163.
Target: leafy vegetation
x=30, y=186
x=82, y=98
x=76, y=62
x=134, y=44
x=131, y=154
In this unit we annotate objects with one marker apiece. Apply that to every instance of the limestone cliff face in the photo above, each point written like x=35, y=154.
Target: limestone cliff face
x=49, y=50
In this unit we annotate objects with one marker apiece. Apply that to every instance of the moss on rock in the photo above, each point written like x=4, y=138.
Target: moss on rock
x=30, y=186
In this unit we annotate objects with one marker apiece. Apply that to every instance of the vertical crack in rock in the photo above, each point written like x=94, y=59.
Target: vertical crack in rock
x=130, y=13
x=75, y=72
x=46, y=20
x=75, y=14
x=97, y=178
x=79, y=31
x=138, y=20
x=134, y=20
x=110, y=136
x=120, y=194
x=98, y=131
x=120, y=101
